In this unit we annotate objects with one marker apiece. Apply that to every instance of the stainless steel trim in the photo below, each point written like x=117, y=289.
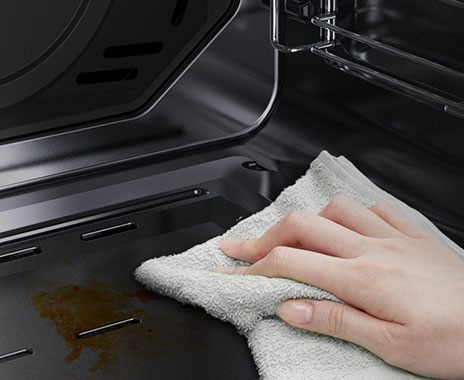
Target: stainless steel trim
x=275, y=32
x=329, y=8
x=371, y=75
x=329, y=31
x=324, y=21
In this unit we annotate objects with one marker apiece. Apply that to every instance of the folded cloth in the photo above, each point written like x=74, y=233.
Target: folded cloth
x=249, y=302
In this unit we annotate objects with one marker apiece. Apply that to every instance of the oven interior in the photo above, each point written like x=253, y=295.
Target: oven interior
x=94, y=179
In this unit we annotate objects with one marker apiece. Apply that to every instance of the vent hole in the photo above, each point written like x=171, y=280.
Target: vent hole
x=19, y=254
x=133, y=50
x=108, y=231
x=15, y=355
x=107, y=328
x=107, y=76
x=179, y=12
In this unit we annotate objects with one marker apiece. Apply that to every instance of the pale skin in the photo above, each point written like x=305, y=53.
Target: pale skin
x=404, y=290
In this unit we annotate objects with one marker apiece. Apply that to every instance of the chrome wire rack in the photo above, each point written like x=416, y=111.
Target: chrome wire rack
x=404, y=46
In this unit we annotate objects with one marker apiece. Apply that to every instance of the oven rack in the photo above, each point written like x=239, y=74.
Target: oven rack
x=426, y=80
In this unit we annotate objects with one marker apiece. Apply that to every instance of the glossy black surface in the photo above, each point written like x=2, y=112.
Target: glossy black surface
x=409, y=42
x=72, y=299
x=415, y=28
x=66, y=63
x=412, y=151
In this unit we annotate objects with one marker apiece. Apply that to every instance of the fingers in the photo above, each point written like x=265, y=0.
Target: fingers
x=397, y=220
x=302, y=230
x=342, y=229
x=325, y=272
x=358, y=218
x=341, y=321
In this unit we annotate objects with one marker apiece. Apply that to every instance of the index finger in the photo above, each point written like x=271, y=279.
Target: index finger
x=300, y=229
x=325, y=272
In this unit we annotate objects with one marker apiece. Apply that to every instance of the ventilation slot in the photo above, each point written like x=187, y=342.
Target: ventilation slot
x=179, y=12
x=15, y=355
x=108, y=232
x=107, y=328
x=133, y=50
x=107, y=76
x=19, y=254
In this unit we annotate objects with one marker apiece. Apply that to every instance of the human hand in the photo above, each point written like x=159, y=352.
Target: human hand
x=404, y=289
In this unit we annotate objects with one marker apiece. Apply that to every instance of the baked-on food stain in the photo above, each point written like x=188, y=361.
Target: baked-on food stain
x=76, y=308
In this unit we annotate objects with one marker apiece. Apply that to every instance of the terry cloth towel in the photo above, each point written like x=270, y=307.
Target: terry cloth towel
x=249, y=302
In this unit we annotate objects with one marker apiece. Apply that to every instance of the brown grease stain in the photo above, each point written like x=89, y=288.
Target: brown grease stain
x=145, y=296
x=76, y=308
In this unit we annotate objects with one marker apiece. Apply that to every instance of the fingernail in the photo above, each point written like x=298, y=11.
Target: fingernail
x=296, y=312
x=231, y=245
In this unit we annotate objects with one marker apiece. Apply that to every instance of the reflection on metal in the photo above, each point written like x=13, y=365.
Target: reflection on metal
x=110, y=231
x=446, y=83
x=15, y=355
x=179, y=12
x=23, y=253
x=108, y=328
x=275, y=32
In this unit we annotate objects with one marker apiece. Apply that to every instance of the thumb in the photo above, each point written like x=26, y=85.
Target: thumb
x=340, y=321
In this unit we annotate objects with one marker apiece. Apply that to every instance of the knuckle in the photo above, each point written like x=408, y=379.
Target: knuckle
x=382, y=207
x=403, y=346
x=393, y=246
x=371, y=278
x=336, y=321
x=388, y=337
x=385, y=211
x=337, y=208
x=365, y=271
x=338, y=202
x=296, y=221
x=402, y=354
x=374, y=270
x=278, y=258
x=257, y=249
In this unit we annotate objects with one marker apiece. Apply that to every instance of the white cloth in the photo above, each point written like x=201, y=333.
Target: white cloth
x=249, y=302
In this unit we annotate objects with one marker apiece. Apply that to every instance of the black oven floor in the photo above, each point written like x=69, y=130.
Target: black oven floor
x=46, y=308
x=71, y=305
